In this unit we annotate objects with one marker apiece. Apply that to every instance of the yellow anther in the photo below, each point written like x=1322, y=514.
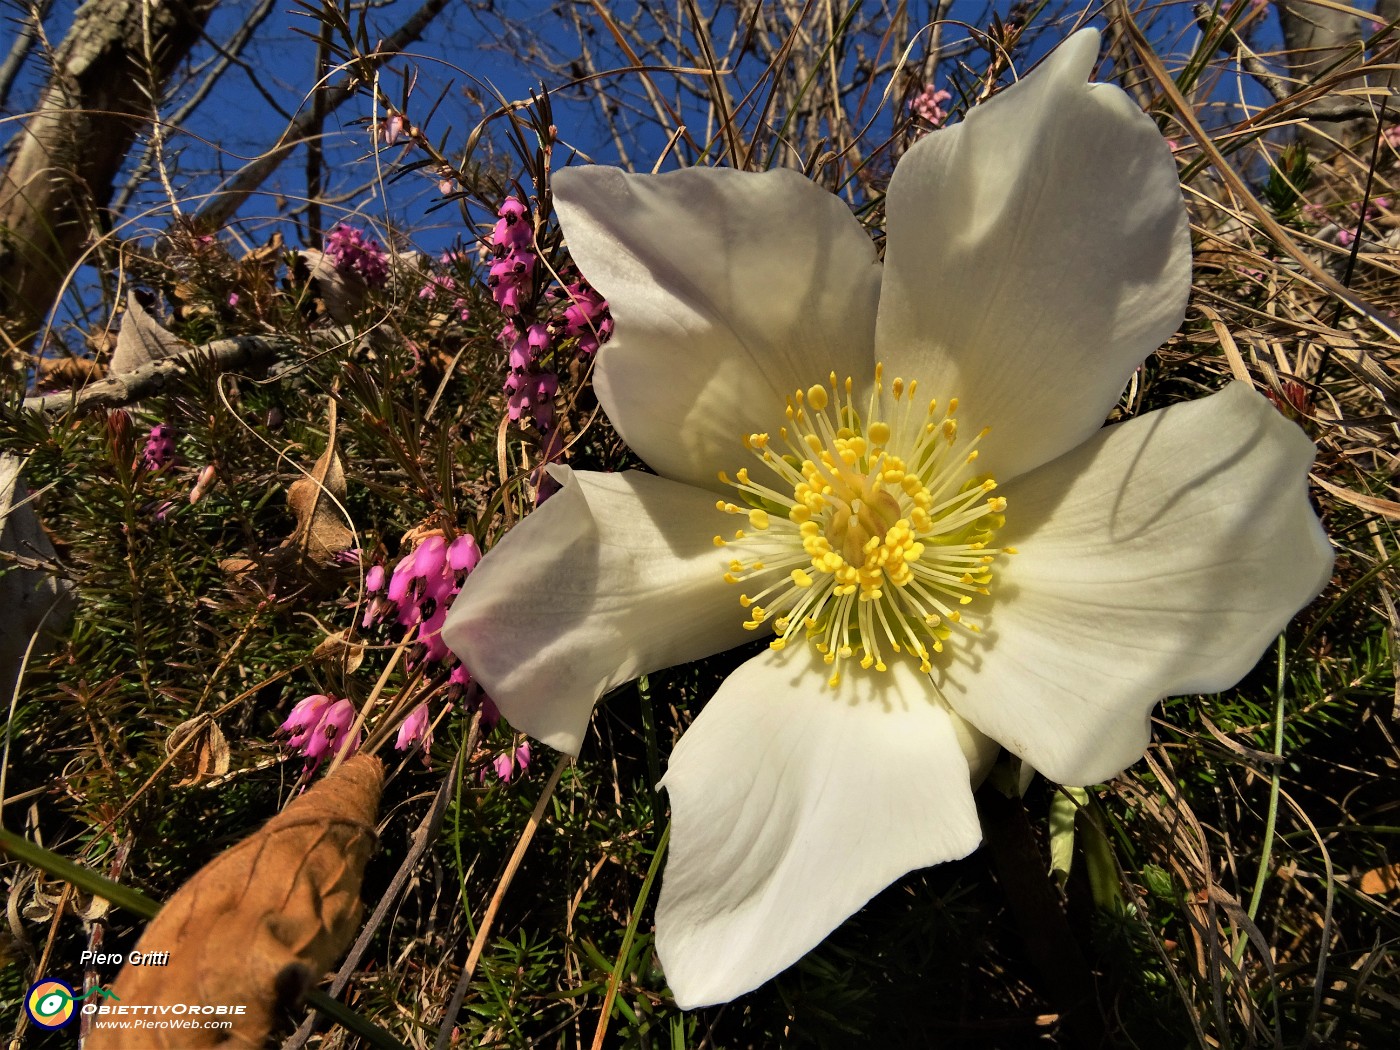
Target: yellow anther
x=877, y=530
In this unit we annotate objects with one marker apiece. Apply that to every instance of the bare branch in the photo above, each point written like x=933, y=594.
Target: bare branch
x=129, y=387
x=23, y=44
x=1282, y=91
x=222, y=206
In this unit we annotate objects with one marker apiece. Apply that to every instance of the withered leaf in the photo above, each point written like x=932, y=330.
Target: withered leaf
x=1385, y=879
x=261, y=922
x=199, y=749
x=141, y=340
x=65, y=373
x=267, y=254
x=340, y=652
x=321, y=531
x=237, y=567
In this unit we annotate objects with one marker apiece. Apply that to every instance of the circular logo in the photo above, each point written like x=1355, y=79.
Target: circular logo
x=50, y=1003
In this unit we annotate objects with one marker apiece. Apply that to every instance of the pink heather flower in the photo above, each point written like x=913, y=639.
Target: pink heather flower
x=354, y=253
x=391, y=128
x=521, y=355
x=399, y=582
x=435, y=650
x=1346, y=238
x=416, y=727
x=587, y=317
x=513, y=228
x=505, y=767
x=928, y=106
x=430, y=557
x=463, y=554
x=446, y=283
x=510, y=763
x=532, y=394
x=420, y=591
x=304, y=719
x=331, y=735
x=1392, y=136
x=160, y=448
x=1377, y=204
x=509, y=279
x=537, y=335
x=233, y=298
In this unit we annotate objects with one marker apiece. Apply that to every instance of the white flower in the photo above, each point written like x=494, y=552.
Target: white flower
x=1036, y=254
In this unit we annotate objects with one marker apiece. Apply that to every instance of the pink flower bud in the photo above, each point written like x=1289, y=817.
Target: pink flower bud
x=463, y=554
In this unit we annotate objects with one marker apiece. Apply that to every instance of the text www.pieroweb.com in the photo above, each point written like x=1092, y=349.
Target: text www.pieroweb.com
x=163, y=1016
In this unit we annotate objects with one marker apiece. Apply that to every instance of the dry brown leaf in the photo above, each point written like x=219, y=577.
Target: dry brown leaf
x=101, y=341
x=340, y=652
x=237, y=567
x=200, y=750
x=38, y=898
x=261, y=922
x=321, y=531
x=141, y=340
x=1385, y=879
x=65, y=373
x=267, y=254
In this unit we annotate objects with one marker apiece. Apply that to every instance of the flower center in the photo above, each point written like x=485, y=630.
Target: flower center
x=869, y=532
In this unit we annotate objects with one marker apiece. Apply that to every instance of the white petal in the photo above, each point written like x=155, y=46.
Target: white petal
x=617, y=575
x=792, y=804
x=729, y=290
x=1037, y=253
x=1160, y=558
